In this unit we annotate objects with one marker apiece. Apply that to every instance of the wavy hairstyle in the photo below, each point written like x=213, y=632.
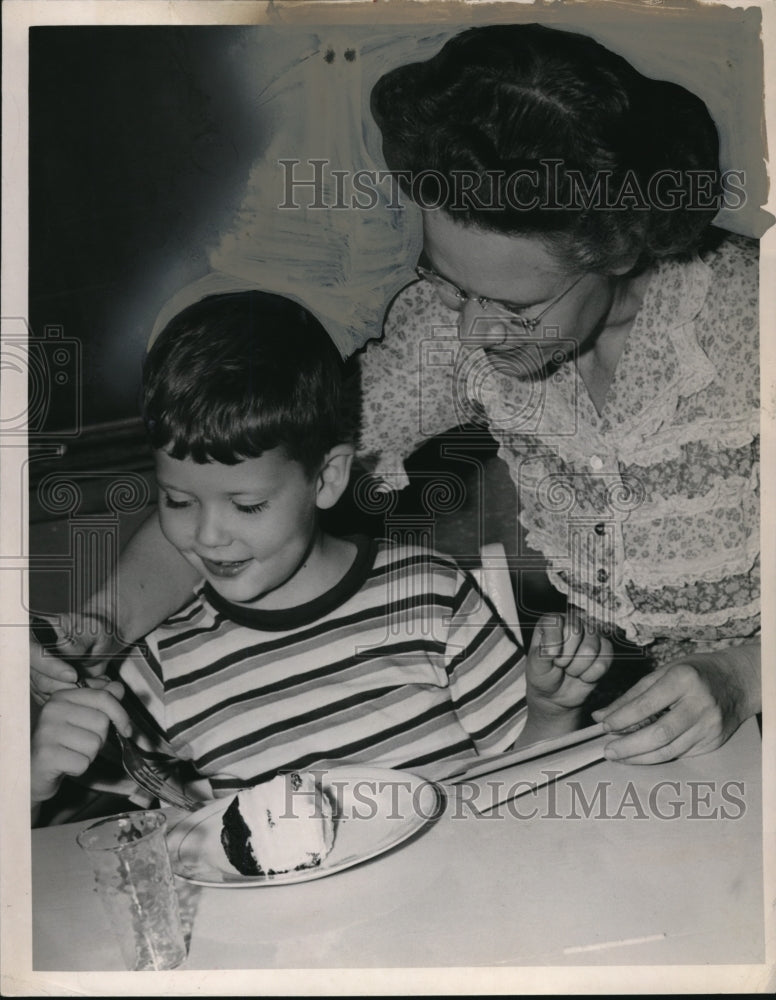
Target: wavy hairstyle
x=235, y=375
x=543, y=118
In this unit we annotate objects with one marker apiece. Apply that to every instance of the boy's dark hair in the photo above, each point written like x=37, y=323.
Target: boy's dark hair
x=542, y=117
x=237, y=374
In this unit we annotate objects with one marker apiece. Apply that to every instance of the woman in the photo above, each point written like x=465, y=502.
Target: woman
x=607, y=335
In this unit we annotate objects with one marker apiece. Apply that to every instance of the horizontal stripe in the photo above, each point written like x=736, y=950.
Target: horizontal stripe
x=278, y=645
x=415, y=665
x=288, y=684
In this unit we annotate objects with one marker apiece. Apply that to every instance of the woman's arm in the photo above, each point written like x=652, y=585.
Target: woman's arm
x=700, y=701
x=151, y=581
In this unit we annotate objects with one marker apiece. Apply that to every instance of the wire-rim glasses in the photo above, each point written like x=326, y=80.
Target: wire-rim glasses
x=454, y=297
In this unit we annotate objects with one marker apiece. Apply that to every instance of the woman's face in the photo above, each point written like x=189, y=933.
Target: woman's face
x=525, y=280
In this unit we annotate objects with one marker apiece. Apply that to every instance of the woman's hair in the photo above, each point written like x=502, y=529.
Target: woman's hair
x=237, y=374
x=524, y=129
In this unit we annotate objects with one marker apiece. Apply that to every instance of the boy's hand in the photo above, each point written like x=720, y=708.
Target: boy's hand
x=79, y=637
x=71, y=731
x=563, y=666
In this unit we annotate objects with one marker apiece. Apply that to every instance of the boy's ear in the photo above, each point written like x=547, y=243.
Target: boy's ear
x=334, y=475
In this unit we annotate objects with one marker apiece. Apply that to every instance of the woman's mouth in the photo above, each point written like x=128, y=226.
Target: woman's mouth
x=223, y=568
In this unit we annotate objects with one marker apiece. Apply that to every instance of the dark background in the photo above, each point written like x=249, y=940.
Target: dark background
x=140, y=142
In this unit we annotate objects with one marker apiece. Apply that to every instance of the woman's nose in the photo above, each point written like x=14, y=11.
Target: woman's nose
x=210, y=529
x=478, y=328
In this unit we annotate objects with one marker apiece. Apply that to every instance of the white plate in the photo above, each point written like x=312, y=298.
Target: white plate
x=375, y=809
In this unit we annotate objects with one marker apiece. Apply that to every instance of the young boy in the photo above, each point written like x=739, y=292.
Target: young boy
x=298, y=649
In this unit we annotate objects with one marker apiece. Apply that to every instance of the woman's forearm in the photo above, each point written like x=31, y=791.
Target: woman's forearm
x=151, y=581
x=744, y=662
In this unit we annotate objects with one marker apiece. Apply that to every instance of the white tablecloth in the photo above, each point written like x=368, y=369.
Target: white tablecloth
x=666, y=868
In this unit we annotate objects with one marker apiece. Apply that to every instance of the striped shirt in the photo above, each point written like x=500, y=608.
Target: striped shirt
x=403, y=663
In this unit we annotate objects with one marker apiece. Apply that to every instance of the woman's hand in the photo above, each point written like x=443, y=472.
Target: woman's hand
x=699, y=700
x=82, y=637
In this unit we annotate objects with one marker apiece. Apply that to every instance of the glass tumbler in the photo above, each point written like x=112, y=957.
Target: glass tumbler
x=134, y=880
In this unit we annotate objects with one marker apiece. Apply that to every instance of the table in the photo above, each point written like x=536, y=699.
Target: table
x=622, y=885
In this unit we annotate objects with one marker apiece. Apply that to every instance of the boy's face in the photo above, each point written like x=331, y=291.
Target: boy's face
x=247, y=527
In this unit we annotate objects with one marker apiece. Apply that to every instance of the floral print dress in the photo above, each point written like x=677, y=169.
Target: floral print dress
x=647, y=512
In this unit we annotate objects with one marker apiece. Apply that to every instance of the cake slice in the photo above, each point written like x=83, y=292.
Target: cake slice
x=281, y=825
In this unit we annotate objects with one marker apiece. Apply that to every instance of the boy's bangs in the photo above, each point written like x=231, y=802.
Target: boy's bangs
x=203, y=451
x=230, y=445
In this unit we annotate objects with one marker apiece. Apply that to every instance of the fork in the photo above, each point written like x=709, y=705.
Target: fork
x=137, y=763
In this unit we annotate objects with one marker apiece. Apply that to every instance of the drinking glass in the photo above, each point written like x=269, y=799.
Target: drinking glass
x=135, y=883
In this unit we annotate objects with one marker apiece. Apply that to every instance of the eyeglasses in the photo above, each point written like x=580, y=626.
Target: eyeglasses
x=454, y=297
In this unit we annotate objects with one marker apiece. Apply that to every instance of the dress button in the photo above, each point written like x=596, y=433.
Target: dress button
x=597, y=463
x=602, y=576
x=600, y=528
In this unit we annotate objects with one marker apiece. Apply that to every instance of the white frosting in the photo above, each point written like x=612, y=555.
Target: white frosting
x=289, y=826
